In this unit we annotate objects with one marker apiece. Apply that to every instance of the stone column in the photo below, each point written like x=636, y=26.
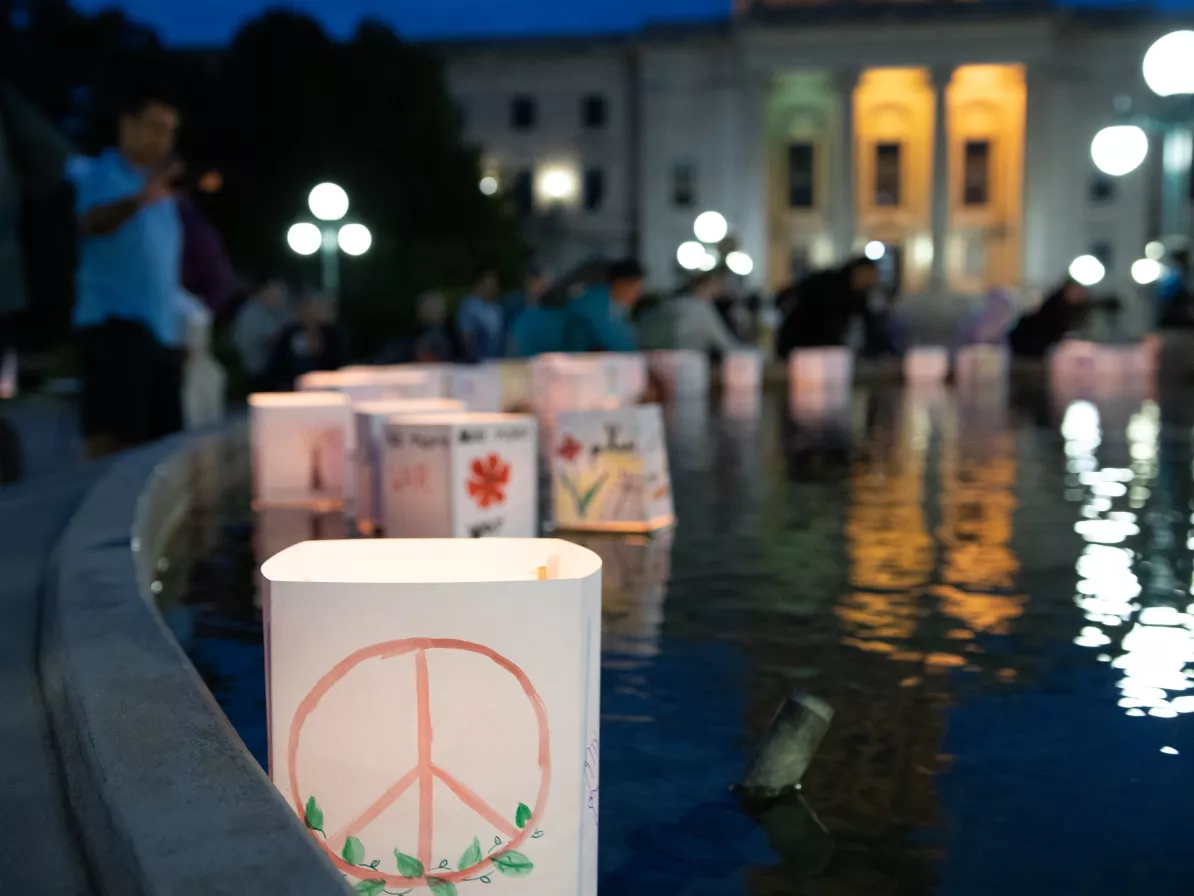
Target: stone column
x=940, y=199
x=842, y=190
x=748, y=201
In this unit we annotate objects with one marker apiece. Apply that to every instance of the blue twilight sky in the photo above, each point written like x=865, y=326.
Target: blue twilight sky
x=214, y=21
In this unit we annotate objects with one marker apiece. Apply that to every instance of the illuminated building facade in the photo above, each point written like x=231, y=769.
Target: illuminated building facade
x=958, y=134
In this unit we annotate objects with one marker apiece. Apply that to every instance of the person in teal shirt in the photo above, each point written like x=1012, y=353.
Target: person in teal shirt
x=599, y=319
x=539, y=329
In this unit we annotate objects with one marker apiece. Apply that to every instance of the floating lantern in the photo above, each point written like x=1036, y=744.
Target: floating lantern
x=609, y=470
x=823, y=369
x=433, y=710
x=742, y=371
x=515, y=385
x=277, y=528
x=371, y=383
x=559, y=383
x=461, y=475
x=370, y=422
x=683, y=374
x=479, y=386
x=926, y=364
x=299, y=442
x=980, y=364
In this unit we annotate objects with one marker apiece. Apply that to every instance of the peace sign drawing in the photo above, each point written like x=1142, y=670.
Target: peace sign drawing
x=344, y=845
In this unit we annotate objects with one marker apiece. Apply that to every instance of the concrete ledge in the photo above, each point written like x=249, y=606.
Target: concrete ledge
x=166, y=797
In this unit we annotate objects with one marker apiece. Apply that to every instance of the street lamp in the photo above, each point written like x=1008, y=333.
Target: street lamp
x=690, y=255
x=710, y=227
x=740, y=263
x=1167, y=64
x=1119, y=149
x=1087, y=270
x=329, y=203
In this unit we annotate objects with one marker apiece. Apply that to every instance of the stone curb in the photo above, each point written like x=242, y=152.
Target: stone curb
x=166, y=797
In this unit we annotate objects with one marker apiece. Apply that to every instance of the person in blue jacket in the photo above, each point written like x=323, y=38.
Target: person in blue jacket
x=599, y=319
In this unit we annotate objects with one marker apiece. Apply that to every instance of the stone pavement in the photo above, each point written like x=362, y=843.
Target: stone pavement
x=39, y=852
x=48, y=432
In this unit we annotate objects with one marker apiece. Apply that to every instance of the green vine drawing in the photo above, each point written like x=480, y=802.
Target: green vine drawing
x=582, y=501
x=510, y=863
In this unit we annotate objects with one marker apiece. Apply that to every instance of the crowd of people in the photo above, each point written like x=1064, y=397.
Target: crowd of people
x=153, y=275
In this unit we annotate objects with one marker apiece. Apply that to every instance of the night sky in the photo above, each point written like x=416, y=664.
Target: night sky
x=214, y=21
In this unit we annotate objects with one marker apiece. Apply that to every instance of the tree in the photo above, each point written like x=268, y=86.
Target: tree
x=373, y=115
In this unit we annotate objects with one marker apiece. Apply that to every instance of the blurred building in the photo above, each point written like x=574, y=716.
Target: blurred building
x=956, y=133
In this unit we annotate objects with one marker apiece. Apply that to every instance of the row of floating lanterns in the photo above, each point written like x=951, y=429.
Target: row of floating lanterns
x=433, y=701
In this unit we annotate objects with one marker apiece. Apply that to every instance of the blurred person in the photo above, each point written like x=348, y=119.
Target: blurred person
x=313, y=342
x=206, y=270
x=433, y=343
x=1175, y=304
x=260, y=319
x=539, y=329
x=690, y=321
x=599, y=319
x=1063, y=311
x=534, y=285
x=886, y=328
x=988, y=324
x=818, y=310
x=129, y=274
x=479, y=321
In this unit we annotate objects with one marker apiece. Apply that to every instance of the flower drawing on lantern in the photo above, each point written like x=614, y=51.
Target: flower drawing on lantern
x=570, y=449
x=490, y=476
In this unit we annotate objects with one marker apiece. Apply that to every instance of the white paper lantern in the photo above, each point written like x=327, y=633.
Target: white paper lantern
x=461, y=475
x=370, y=383
x=625, y=373
x=609, y=470
x=560, y=383
x=926, y=364
x=479, y=386
x=1078, y=363
x=682, y=374
x=433, y=710
x=370, y=419
x=277, y=528
x=820, y=367
x=515, y=380
x=742, y=370
x=300, y=443
x=978, y=364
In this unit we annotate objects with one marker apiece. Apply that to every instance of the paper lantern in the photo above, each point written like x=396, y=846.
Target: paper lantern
x=371, y=383
x=742, y=371
x=609, y=470
x=277, y=528
x=479, y=386
x=682, y=374
x=461, y=475
x=515, y=379
x=821, y=368
x=926, y=364
x=559, y=383
x=370, y=423
x=299, y=442
x=625, y=373
x=981, y=364
x=433, y=710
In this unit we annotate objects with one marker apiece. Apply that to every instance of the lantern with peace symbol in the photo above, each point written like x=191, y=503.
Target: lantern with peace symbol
x=433, y=710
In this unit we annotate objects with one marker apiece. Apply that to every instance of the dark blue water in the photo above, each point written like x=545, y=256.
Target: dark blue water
x=991, y=594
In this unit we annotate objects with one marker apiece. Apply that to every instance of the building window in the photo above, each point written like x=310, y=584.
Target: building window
x=593, y=112
x=594, y=189
x=522, y=191
x=684, y=185
x=800, y=175
x=887, y=174
x=523, y=113
x=976, y=172
x=1102, y=189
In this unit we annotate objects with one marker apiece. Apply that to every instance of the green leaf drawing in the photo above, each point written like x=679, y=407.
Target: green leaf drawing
x=441, y=887
x=375, y=863
x=370, y=887
x=583, y=501
x=523, y=815
x=513, y=864
x=354, y=851
x=408, y=866
x=472, y=856
x=314, y=815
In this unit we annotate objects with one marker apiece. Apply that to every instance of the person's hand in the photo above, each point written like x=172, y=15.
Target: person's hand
x=161, y=181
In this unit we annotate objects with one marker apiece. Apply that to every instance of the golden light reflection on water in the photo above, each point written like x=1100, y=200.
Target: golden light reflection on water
x=910, y=574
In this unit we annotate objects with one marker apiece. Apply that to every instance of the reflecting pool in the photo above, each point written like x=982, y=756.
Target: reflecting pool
x=993, y=593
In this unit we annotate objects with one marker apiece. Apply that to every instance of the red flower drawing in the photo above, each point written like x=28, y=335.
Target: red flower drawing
x=570, y=448
x=488, y=484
